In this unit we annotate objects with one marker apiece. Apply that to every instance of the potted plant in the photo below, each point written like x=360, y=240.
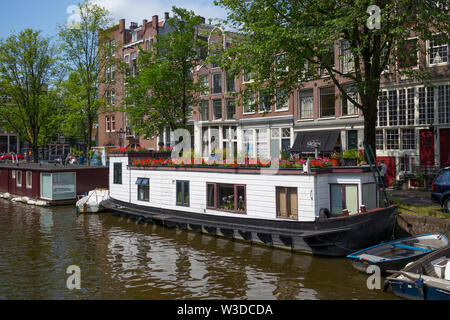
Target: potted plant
x=350, y=157
x=336, y=158
x=362, y=158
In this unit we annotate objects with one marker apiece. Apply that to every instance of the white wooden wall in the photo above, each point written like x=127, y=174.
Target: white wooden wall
x=313, y=190
x=324, y=181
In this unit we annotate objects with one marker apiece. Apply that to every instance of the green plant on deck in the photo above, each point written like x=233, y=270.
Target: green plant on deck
x=351, y=154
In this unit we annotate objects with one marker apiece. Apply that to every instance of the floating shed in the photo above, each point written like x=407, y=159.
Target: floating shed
x=53, y=183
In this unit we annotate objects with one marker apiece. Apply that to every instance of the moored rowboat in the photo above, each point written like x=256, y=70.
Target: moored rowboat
x=394, y=255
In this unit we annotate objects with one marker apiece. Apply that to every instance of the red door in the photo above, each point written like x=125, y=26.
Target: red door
x=391, y=171
x=444, y=145
x=426, y=148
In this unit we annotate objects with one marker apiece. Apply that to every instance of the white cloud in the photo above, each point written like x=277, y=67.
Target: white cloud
x=138, y=10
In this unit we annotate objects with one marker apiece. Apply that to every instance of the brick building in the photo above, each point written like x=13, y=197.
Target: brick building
x=413, y=121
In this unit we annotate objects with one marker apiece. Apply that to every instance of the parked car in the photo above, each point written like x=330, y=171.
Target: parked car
x=441, y=189
x=9, y=156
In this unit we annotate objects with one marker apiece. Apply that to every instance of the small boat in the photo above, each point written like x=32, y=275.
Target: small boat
x=425, y=279
x=92, y=203
x=394, y=255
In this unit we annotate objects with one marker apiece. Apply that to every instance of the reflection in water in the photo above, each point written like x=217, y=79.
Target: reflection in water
x=122, y=260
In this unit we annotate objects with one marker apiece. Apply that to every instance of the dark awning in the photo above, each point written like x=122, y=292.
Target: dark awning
x=307, y=142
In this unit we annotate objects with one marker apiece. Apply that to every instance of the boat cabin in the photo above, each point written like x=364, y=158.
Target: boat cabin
x=247, y=192
x=53, y=183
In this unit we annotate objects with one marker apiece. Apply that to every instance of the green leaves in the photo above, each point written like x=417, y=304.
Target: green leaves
x=28, y=77
x=164, y=92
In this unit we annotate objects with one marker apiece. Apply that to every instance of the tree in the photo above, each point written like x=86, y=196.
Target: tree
x=75, y=123
x=84, y=49
x=29, y=74
x=287, y=42
x=163, y=91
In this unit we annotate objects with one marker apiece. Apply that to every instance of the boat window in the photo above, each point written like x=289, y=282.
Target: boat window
x=46, y=186
x=287, y=203
x=226, y=197
x=344, y=197
x=29, y=179
x=143, y=193
x=369, y=195
x=117, y=173
x=210, y=195
x=183, y=193
x=63, y=185
x=19, y=178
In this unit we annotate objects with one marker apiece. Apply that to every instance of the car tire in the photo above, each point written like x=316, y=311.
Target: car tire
x=447, y=204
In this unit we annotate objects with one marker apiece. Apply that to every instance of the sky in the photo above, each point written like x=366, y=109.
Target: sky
x=44, y=15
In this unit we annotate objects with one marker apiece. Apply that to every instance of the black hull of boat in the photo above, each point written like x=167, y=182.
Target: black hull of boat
x=328, y=237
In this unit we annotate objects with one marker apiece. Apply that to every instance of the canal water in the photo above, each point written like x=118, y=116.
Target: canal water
x=120, y=259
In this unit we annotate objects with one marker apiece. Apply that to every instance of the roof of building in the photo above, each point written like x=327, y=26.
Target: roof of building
x=46, y=166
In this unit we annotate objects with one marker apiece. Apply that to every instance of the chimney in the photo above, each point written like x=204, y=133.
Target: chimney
x=121, y=25
x=155, y=22
x=166, y=16
x=144, y=25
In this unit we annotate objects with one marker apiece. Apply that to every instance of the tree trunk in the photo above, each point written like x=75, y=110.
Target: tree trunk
x=370, y=124
x=35, y=149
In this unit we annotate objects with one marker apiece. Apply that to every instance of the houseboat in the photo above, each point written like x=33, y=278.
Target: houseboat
x=329, y=211
x=53, y=183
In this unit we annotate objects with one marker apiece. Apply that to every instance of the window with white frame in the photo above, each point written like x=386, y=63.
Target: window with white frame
x=134, y=36
x=249, y=144
x=379, y=139
x=306, y=104
x=281, y=65
x=217, y=83
x=231, y=109
x=392, y=139
x=393, y=107
x=426, y=105
x=217, y=109
x=327, y=102
x=249, y=103
x=113, y=97
x=444, y=104
x=230, y=82
x=408, y=139
x=264, y=101
x=281, y=99
x=438, y=50
x=113, y=123
x=248, y=76
x=134, y=66
x=346, y=57
x=382, y=109
x=204, y=110
x=348, y=108
x=397, y=107
x=107, y=124
x=204, y=82
x=262, y=146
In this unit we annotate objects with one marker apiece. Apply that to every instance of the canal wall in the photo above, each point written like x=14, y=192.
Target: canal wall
x=411, y=224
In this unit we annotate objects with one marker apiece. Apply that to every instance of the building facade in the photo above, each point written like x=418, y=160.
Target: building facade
x=413, y=127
